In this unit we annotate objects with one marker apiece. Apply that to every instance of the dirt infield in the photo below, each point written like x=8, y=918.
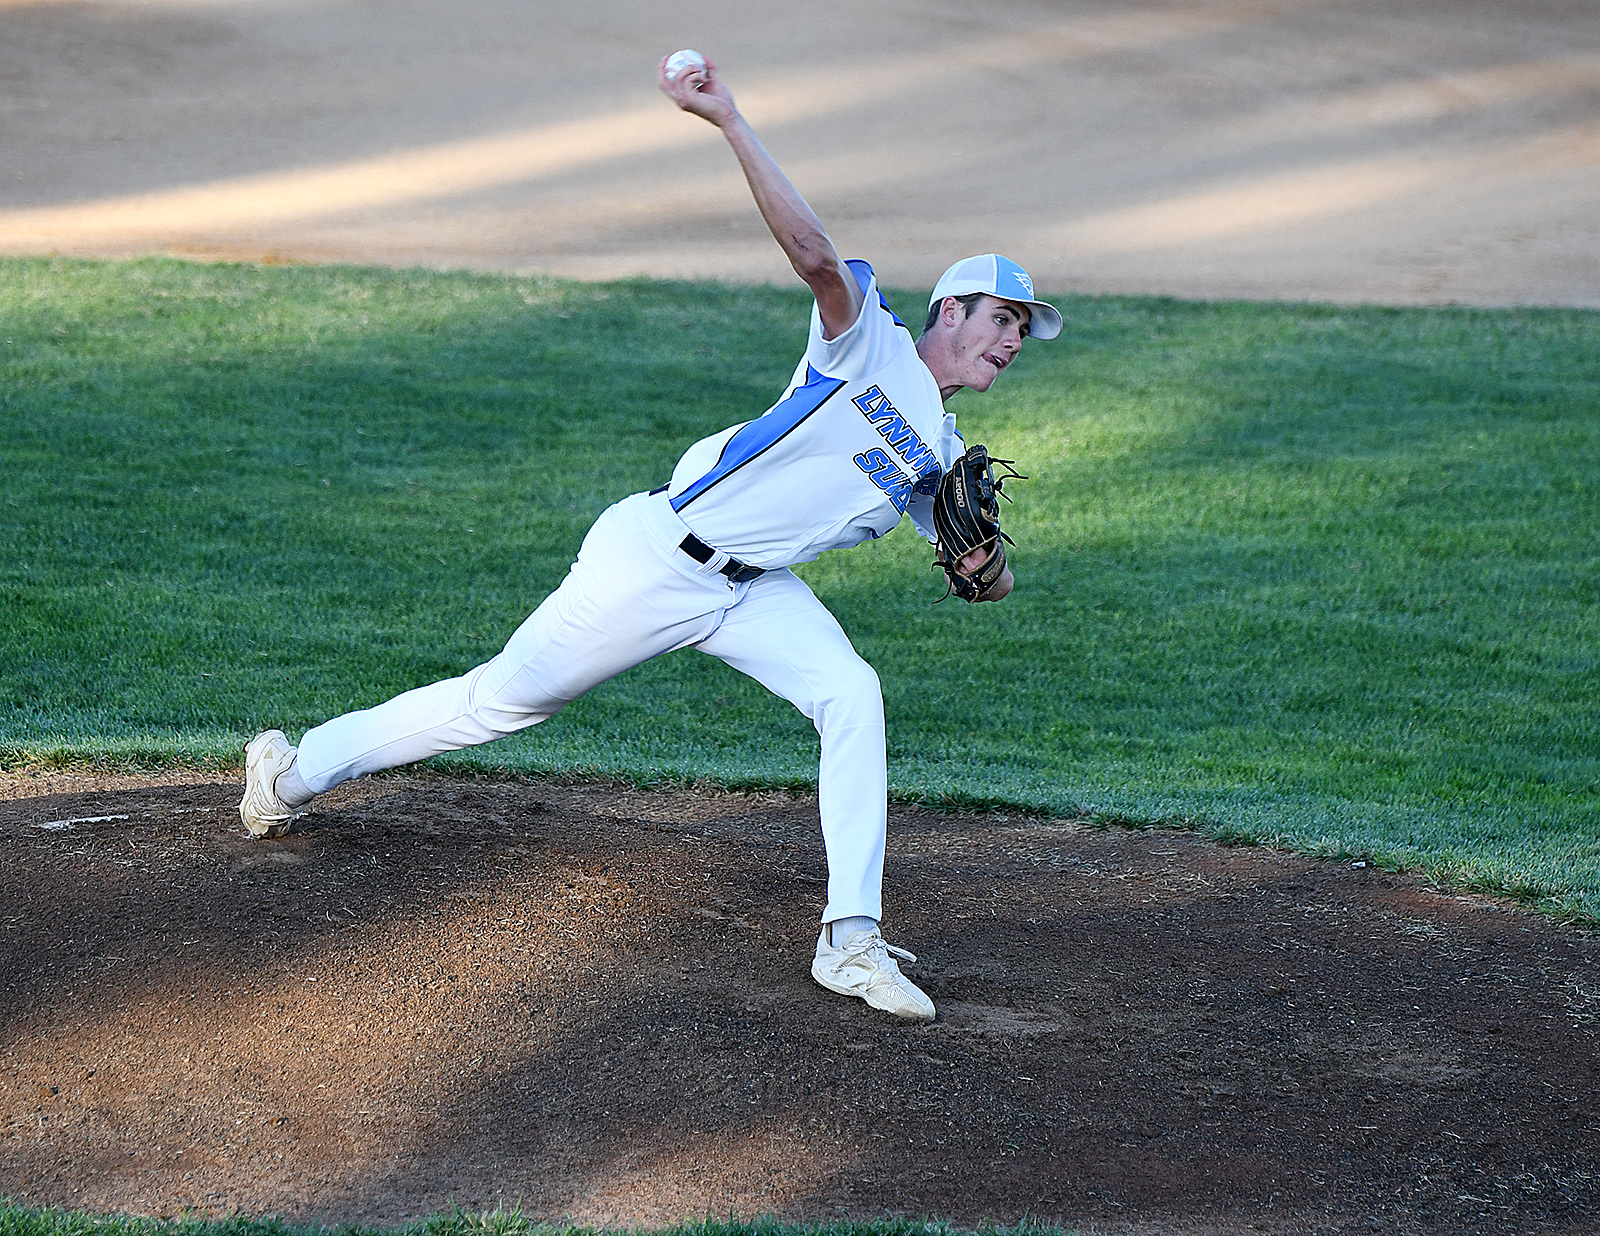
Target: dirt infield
x=596, y=1003
x=1401, y=151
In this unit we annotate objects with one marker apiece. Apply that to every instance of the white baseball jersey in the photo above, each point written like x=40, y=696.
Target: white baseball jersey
x=859, y=439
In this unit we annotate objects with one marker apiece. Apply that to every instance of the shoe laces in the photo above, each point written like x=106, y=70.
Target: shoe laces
x=878, y=951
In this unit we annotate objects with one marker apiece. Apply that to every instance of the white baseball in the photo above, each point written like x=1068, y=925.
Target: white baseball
x=681, y=60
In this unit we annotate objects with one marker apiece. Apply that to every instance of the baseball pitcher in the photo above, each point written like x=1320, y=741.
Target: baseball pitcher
x=857, y=440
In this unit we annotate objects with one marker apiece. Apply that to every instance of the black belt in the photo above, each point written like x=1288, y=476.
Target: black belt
x=735, y=570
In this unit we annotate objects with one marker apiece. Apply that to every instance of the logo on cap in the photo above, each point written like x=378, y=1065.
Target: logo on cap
x=1025, y=281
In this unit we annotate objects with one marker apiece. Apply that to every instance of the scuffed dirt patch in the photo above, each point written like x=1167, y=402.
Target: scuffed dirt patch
x=595, y=1003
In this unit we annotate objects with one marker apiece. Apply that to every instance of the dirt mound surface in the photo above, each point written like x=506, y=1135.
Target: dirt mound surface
x=596, y=1003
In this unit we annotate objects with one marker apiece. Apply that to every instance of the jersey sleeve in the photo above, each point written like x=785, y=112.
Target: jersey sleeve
x=872, y=341
x=920, y=505
x=920, y=508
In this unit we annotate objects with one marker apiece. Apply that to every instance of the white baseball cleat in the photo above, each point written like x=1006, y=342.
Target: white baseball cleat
x=267, y=756
x=864, y=965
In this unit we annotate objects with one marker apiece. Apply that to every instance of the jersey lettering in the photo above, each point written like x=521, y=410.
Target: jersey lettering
x=883, y=473
x=902, y=438
x=886, y=419
x=870, y=400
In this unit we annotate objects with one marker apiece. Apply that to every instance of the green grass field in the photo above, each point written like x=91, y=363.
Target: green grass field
x=1313, y=576
x=30, y=1221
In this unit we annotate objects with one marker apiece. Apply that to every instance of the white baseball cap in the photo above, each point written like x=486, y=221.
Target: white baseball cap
x=998, y=276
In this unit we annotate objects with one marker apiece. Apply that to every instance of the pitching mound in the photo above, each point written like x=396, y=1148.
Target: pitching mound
x=596, y=1003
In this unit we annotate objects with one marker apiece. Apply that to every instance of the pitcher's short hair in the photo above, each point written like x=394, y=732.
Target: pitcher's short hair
x=969, y=301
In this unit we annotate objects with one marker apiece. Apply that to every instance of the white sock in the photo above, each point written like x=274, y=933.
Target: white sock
x=290, y=787
x=839, y=930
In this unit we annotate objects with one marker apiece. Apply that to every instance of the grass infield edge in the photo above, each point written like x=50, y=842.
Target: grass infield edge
x=1441, y=875
x=21, y=1220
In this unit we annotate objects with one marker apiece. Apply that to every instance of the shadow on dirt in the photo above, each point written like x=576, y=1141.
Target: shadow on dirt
x=596, y=1003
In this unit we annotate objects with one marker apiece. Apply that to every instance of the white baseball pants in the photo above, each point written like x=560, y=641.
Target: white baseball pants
x=633, y=595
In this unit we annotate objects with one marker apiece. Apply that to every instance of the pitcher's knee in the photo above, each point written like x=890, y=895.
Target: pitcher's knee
x=853, y=695
x=502, y=700
x=500, y=718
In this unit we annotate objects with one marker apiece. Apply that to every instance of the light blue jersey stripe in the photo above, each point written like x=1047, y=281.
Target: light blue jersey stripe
x=765, y=432
x=863, y=273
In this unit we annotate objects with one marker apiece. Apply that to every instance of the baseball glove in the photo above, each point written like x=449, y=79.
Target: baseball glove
x=966, y=517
